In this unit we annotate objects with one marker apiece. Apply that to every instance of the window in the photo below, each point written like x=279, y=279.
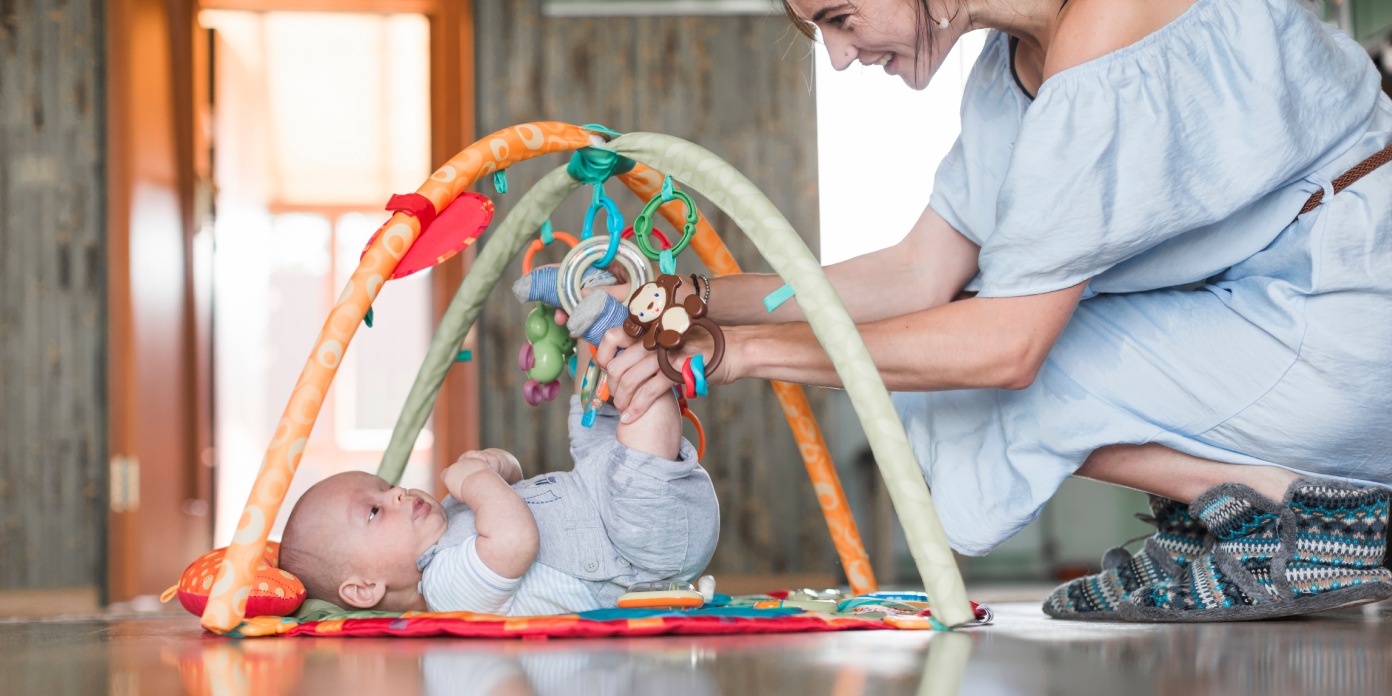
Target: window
x=875, y=181
x=319, y=119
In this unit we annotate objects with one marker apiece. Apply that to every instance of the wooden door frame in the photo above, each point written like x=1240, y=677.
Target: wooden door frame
x=160, y=416
x=185, y=85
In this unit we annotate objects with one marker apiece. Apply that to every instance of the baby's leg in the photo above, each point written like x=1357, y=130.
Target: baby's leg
x=660, y=515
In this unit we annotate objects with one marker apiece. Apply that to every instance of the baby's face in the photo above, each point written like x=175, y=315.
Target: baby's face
x=382, y=528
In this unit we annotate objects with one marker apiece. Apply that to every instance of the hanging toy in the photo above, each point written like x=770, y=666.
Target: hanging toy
x=663, y=323
x=549, y=348
x=545, y=355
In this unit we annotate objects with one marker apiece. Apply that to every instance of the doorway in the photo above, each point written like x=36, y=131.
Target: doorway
x=318, y=118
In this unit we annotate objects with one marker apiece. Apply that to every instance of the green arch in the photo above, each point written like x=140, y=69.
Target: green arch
x=771, y=233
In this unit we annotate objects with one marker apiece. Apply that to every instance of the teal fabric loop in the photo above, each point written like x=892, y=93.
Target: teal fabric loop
x=698, y=370
x=776, y=298
x=500, y=181
x=548, y=233
x=464, y=356
x=666, y=262
x=593, y=165
x=367, y=318
x=609, y=133
x=667, y=194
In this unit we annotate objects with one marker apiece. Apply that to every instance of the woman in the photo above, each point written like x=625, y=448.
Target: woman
x=1145, y=301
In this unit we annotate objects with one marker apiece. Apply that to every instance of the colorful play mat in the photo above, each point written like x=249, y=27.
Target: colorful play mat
x=441, y=218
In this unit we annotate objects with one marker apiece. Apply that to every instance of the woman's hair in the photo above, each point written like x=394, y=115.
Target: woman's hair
x=922, y=23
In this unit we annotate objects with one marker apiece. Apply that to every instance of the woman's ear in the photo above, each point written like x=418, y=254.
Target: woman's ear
x=361, y=594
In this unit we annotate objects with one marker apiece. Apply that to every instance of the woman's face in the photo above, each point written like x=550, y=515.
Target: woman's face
x=879, y=32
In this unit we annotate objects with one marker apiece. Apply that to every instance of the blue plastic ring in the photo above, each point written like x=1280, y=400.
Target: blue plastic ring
x=609, y=253
x=614, y=219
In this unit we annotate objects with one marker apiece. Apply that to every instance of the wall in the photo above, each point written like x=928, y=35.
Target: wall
x=737, y=85
x=53, y=408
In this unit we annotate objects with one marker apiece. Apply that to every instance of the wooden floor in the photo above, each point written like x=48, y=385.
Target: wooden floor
x=1345, y=652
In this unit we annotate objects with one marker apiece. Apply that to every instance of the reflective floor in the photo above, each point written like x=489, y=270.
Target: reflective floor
x=1346, y=652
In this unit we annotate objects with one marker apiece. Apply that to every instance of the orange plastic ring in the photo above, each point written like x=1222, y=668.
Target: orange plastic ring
x=690, y=415
x=537, y=245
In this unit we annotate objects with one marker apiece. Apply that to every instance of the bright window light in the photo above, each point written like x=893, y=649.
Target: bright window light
x=878, y=143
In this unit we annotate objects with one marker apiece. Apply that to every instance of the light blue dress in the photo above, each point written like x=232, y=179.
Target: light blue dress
x=1168, y=173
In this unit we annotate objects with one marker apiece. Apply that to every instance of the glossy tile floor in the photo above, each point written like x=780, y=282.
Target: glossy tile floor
x=1345, y=652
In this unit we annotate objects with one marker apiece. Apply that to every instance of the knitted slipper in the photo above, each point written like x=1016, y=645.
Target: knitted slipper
x=1321, y=548
x=1179, y=539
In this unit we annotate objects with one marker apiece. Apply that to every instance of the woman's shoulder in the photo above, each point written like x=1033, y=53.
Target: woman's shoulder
x=1107, y=42
x=1090, y=29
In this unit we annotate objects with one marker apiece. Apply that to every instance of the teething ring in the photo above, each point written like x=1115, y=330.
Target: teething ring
x=584, y=254
x=664, y=357
x=538, y=245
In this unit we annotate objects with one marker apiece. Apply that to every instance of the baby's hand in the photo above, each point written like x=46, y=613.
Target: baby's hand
x=508, y=538
x=500, y=461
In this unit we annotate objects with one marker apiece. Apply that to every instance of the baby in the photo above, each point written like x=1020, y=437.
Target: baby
x=637, y=507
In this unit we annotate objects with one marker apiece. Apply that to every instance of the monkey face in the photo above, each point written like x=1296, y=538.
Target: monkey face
x=648, y=302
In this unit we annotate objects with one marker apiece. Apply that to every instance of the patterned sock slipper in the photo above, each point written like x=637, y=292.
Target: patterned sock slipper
x=1322, y=548
x=1179, y=539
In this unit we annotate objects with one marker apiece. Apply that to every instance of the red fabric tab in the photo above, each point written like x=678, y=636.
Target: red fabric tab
x=415, y=204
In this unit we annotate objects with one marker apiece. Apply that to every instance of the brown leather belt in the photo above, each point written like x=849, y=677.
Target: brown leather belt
x=1346, y=179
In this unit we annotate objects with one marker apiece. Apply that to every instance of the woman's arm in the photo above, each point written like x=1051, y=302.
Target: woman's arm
x=997, y=342
x=925, y=269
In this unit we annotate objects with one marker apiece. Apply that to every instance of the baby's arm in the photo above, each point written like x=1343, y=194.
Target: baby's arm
x=507, y=532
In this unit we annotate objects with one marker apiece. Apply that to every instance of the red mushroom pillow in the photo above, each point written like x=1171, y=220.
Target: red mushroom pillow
x=274, y=592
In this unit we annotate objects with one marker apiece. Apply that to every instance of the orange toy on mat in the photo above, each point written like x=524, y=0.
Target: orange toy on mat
x=274, y=592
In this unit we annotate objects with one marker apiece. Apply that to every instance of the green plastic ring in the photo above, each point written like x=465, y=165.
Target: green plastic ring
x=642, y=225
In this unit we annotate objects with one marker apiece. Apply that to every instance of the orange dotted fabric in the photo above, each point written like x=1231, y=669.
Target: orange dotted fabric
x=274, y=592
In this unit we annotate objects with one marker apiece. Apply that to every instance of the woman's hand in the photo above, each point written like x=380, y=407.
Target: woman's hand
x=635, y=379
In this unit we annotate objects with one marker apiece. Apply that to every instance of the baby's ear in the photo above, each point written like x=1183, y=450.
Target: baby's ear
x=361, y=594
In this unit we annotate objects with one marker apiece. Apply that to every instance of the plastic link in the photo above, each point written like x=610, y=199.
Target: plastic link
x=613, y=218
x=698, y=370
x=688, y=381
x=643, y=224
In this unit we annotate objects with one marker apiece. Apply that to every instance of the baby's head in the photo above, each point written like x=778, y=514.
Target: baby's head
x=353, y=539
